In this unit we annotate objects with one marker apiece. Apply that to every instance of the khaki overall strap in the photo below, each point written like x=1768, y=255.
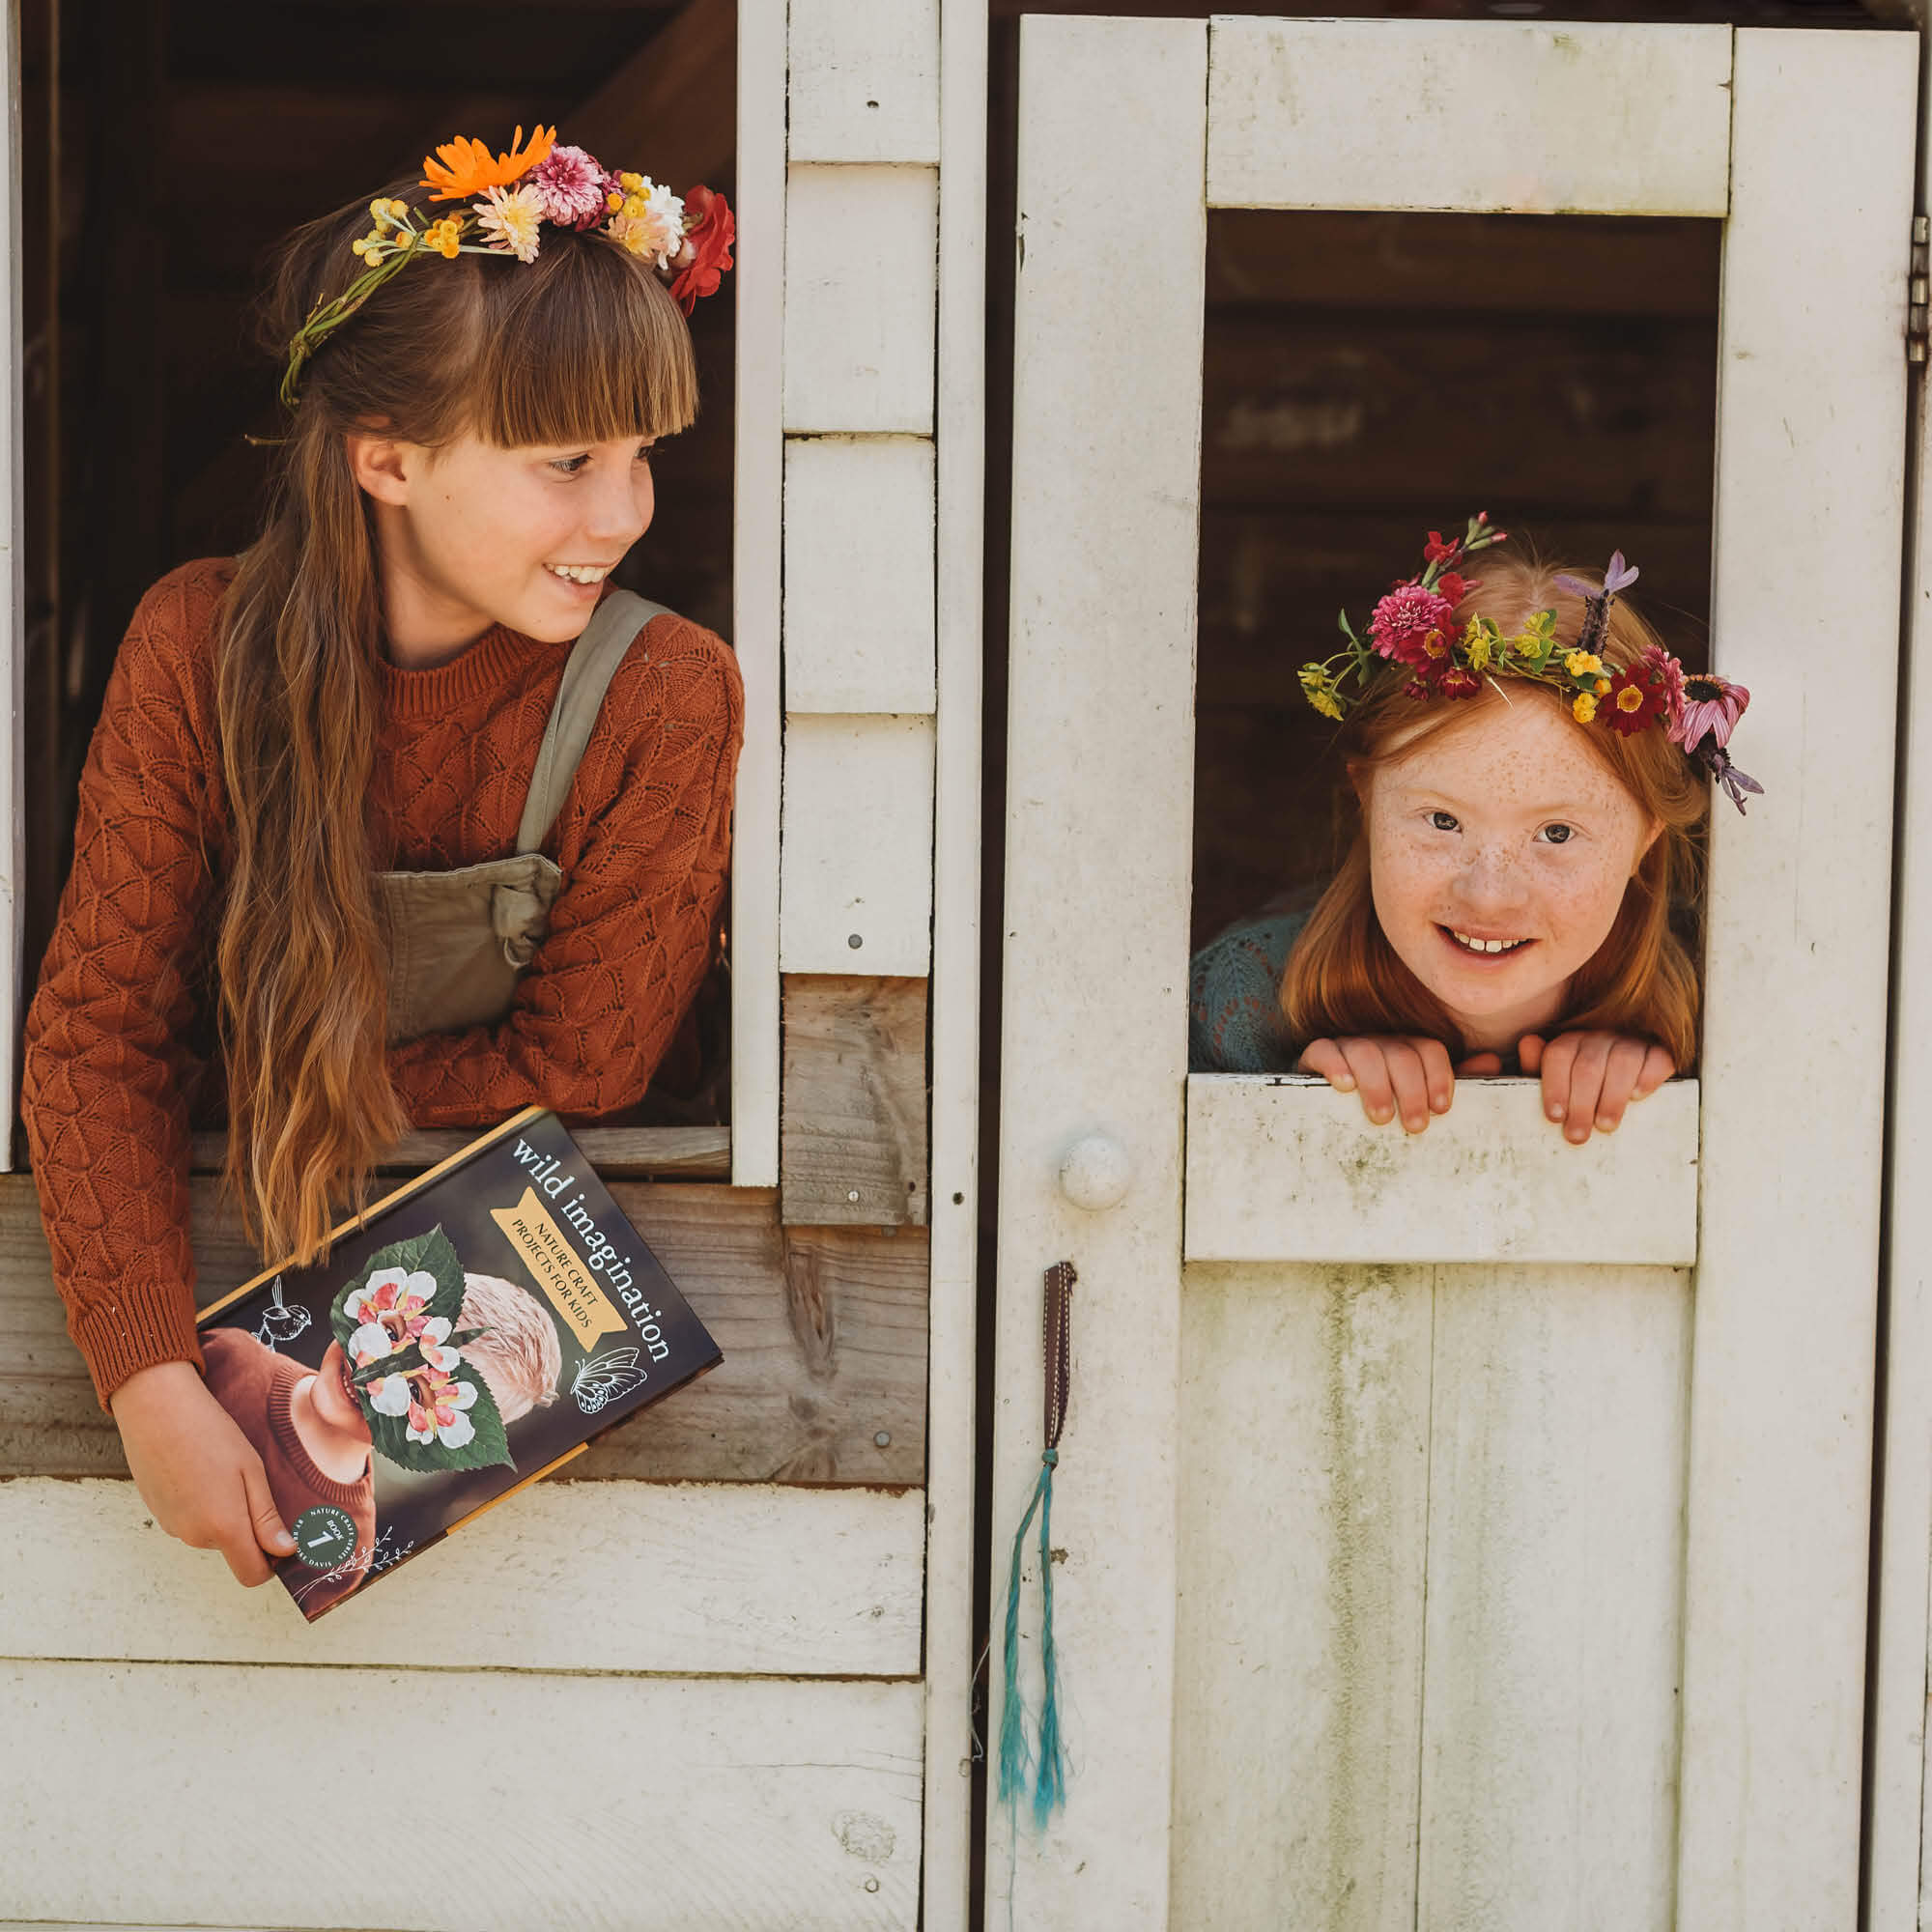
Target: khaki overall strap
x=588, y=672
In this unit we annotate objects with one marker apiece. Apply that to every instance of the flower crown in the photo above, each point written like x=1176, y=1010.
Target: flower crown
x=1415, y=625
x=687, y=238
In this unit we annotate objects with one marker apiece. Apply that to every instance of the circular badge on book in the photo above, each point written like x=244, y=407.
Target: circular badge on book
x=324, y=1536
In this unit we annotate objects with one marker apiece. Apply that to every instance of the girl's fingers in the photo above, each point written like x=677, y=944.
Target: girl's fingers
x=1479, y=1065
x=1554, y=1063
x=1658, y=1067
x=1529, y=1052
x=1326, y=1058
x=1368, y=1064
x=1621, y=1070
x=1439, y=1076
x=1408, y=1076
x=1586, y=1086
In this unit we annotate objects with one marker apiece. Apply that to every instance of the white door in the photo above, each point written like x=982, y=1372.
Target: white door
x=1432, y=1554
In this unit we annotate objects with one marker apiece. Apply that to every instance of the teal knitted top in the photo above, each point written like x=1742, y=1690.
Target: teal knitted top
x=1234, y=1004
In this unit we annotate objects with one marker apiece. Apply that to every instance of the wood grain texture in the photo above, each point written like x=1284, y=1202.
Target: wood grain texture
x=1303, y=1526
x=656, y=1803
x=861, y=248
x=823, y=1333
x=691, y=1580
x=857, y=867
x=1099, y=826
x=858, y=585
x=1282, y=1167
x=1811, y=418
x=13, y=610
x=853, y=1146
x=627, y=1153
x=864, y=80
x=1602, y=118
x=757, y=538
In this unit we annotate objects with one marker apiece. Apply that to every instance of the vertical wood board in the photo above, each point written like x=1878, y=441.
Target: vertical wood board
x=1810, y=438
x=853, y=1146
x=857, y=847
x=946, y=1873
x=756, y=550
x=858, y=583
x=711, y=1580
x=1555, y=1585
x=861, y=284
x=864, y=80
x=1479, y=116
x=657, y=1803
x=1109, y=305
x=1302, y=1525
x=12, y=608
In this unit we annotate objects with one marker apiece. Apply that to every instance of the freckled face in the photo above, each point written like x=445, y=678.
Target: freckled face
x=488, y=532
x=1500, y=848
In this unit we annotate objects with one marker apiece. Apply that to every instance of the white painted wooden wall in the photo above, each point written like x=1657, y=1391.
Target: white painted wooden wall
x=1514, y=1576
x=678, y=1705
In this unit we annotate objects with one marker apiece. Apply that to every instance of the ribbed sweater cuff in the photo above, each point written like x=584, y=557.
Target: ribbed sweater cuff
x=145, y=1323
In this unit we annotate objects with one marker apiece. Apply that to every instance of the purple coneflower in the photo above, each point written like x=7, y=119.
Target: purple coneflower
x=1712, y=708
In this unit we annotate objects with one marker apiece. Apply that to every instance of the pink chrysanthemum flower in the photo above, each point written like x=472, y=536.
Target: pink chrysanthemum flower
x=1407, y=620
x=1712, y=706
x=571, y=185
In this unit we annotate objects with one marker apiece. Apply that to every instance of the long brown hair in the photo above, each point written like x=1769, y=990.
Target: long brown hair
x=1343, y=975
x=582, y=344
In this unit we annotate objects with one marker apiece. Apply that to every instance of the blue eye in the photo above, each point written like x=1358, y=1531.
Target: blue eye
x=1558, y=835
x=1445, y=821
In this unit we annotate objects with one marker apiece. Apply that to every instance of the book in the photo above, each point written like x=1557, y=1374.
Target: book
x=466, y=1335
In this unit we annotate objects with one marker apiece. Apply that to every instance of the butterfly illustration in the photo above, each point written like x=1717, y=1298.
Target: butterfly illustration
x=607, y=1379
x=279, y=1322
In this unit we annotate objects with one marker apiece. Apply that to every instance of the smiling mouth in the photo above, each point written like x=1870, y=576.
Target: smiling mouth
x=1479, y=948
x=581, y=572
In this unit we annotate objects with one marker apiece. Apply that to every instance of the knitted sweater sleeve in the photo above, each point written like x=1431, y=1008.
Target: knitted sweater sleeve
x=643, y=841
x=103, y=1094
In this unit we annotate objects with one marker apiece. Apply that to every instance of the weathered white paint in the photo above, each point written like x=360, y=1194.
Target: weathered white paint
x=1303, y=1523
x=1472, y=115
x=1556, y=1579
x=12, y=603
x=227, y=1795
x=1811, y=405
x=955, y=1054
x=1896, y=1824
x=859, y=574
x=857, y=845
x=864, y=80
x=1098, y=845
x=688, y=1578
x=757, y=526
x=861, y=268
x=1286, y=1167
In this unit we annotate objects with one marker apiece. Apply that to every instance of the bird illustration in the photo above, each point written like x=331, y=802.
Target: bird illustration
x=279, y=1322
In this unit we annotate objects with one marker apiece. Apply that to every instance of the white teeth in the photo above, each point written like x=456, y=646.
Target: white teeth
x=580, y=573
x=1486, y=945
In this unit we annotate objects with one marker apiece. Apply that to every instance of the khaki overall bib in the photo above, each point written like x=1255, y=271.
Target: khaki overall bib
x=458, y=940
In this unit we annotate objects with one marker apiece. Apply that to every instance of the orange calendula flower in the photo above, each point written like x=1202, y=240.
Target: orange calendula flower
x=466, y=167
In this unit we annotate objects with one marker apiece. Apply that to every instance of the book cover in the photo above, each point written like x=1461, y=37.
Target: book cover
x=465, y=1335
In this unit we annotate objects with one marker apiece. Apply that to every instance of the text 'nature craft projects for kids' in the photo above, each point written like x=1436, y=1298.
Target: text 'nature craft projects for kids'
x=466, y=1335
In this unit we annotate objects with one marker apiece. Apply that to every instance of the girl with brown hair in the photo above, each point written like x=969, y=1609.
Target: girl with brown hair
x=405, y=815
x=1526, y=769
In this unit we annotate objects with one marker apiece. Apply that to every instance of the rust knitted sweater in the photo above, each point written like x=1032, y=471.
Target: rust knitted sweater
x=111, y=1057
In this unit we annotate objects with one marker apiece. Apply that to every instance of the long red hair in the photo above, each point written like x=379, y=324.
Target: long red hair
x=1343, y=975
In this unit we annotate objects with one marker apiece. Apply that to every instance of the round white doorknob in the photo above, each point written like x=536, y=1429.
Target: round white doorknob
x=1096, y=1172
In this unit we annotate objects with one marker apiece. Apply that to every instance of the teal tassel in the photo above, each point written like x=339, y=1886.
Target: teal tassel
x=1017, y=1760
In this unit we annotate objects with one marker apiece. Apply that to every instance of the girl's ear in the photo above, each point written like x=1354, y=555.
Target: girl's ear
x=378, y=464
x=1360, y=777
x=1650, y=839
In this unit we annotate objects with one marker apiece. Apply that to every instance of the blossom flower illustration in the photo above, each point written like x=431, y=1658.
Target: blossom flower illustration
x=571, y=187
x=389, y=1395
x=435, y=1412
x=432, y=1338
x=1711, y=707
x=510, y=221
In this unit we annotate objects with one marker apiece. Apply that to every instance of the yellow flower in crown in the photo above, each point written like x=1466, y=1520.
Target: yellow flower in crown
x=1583, y=708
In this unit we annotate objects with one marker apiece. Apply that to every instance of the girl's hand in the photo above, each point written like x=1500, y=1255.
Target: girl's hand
x=196, y=1472
x=1395, y=1073
x=1589, y=1078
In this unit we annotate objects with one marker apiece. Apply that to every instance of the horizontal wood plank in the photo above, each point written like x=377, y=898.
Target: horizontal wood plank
x=1285, y=1168
x=619, y=1152
x=220, y=1795
x=691, y=1580
x=856, y=864
x=861, y=294
x=1485, y=115
x=823, y=1332
x=859, y=618
x=853, y=1143
x=864, y=80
